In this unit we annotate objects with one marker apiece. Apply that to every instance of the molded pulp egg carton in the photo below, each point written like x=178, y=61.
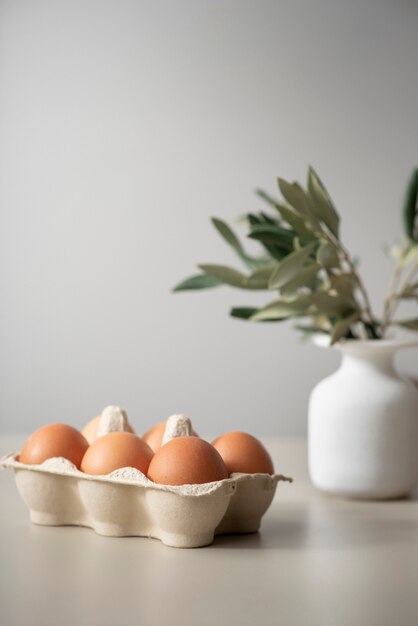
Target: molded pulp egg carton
x=127, y=503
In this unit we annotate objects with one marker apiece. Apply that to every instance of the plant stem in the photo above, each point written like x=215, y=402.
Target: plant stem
x=394, y=296
x=366, y=308
x=410, y=275
x=390, y=297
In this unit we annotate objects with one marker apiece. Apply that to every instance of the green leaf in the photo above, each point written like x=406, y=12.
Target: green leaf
x=305, y=278
x=343, y=284
x=226, y=275
x=273, y=250
x=282, y=309
x=342, y=326
x=410, y=207
x=338, y=306
x=229, y=236
x=299, y=224
x=259, y=279
x=298, y=199
x=267, y=218
x=296, y=222
x=243, y=312
x=287, y=269
x=253, y=219
x=410, y=324
x=230, y=277
x=295, y=196
x=271, y=233
x=327, y=255
x=199, y=281
x=225, y=231
x=321, y=203
x=277, y=241
x=311, y=330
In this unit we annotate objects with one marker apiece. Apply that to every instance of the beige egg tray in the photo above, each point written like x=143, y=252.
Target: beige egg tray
x=126, y=503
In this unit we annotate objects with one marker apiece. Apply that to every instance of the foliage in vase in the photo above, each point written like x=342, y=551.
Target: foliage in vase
x=306, y=265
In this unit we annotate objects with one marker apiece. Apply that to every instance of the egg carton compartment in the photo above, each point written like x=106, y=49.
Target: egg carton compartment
x=126, y=503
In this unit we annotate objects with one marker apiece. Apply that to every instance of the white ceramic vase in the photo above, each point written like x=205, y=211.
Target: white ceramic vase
x=363, y=424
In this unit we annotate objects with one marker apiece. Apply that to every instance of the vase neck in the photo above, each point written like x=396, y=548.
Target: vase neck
x=381, y=361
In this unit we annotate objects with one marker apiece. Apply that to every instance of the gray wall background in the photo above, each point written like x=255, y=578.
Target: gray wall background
x=124, y=126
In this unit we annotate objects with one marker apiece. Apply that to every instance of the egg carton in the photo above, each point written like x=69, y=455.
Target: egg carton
x=126, y=503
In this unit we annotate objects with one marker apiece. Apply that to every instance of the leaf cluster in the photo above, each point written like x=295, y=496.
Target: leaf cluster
x=303, y=263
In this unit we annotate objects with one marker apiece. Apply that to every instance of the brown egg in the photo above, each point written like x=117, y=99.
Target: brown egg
x=116, y=450
x=186, y=461
x=243, y=453
x=54, y=440
x=90, y=429
x=153, y=437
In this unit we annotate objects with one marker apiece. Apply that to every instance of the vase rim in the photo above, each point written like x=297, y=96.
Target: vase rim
x=401, y=341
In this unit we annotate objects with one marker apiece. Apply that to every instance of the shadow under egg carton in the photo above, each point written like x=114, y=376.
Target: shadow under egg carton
x=126, y=503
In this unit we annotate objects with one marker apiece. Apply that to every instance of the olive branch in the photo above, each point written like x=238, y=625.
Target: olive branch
x=305, y=263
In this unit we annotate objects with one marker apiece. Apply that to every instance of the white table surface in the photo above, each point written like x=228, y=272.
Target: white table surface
x=316, y=561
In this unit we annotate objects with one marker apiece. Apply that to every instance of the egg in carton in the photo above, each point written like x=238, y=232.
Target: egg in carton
x=126, y=503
